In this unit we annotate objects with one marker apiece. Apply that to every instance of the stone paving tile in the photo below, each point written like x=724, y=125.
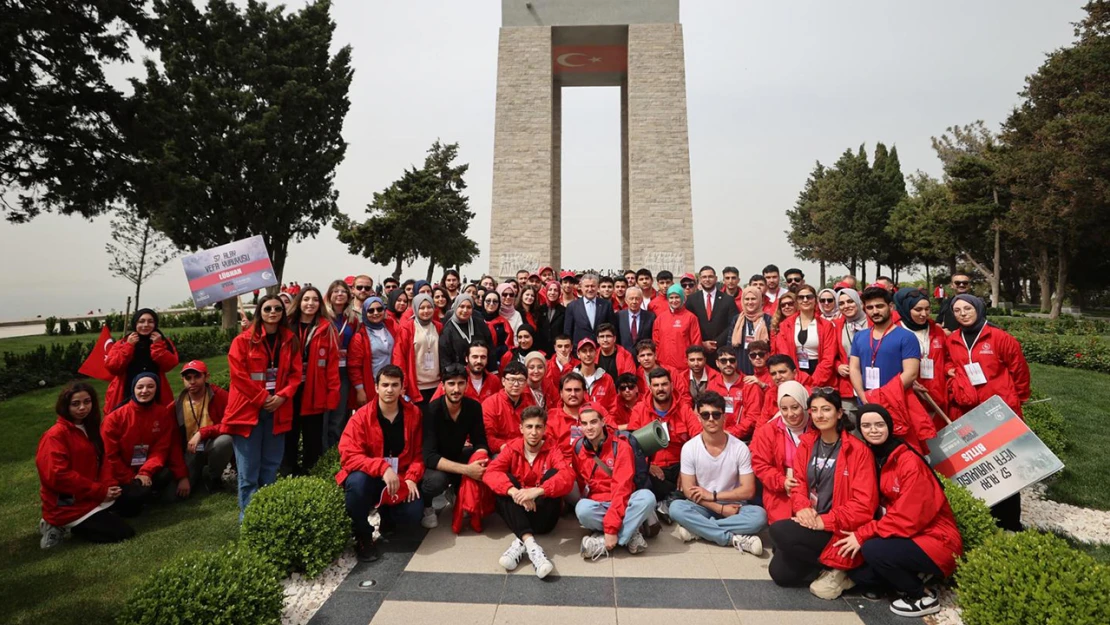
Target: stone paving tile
x=766, y=595
x=643, y=592
x=348, y=607
x=421, y=613
x=658, y=616
x=667, y=565
x=782, y=617
x=567, y=591
x=449, y=588
x=554, y=615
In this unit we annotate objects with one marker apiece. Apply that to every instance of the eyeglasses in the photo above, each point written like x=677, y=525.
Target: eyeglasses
x=726, y=360
x=374, y=310
x=515, y=381
x=712, y=415
x=492, y=300
x=757, y=355
x=272, y=309
x=454, y=370
x=824, y=390
x=805, y=297
x=827, y=300
x=363, y=287
x=794, y=280
x=961, y=283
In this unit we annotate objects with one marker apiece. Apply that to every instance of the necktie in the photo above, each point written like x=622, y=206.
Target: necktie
x=709, y=305
x=635, y=328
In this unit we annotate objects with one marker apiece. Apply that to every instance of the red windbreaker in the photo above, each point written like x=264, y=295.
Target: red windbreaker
x=753, y=411
x=511, y=462
x=915, y=508
x=823, y=372
x=734, y=400
x=602, y=392
x=217, y=407
x=555, y=373
x=625, y=362
x=247, y=362
x=769, y=463
x=502, y=419
x=561, y=429
x=911, y=421
x=404, y=356
x=855, y=493
x=72, y=479
x=712, y=377
x=491, y=384
x=938, y=385
x=131, y=426
x=362, y=445
x=360, y=362
x=119, y=356
x=598, y=485
x=681, y=423
x=320, y=373
x=1003, y=364
x=673, y=332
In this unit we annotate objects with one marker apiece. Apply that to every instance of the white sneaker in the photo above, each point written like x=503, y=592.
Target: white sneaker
x=751, y=544
x=439, y=502
x=512, y=555
x=927, y=604
x=593, y=547
x=637, y=544
x=429, y=520
x=539, y=560
x=52, y=535
x=663, y=509
x=685, y=535
x=831, y=583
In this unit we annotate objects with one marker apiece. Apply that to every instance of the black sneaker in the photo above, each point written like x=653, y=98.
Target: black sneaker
x=366, y=550
x=926, y=604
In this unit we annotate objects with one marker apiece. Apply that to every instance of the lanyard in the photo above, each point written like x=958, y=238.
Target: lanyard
x=875, y=347
x=193, y=409
x=819, y=471
x=270, y=358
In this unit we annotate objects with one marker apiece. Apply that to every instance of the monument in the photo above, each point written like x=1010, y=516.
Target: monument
x=548, y=45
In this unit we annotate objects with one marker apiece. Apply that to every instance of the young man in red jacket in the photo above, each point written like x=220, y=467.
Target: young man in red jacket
x=678, y=419
x=610, y=506
x=200, y=410
x=611, y=356
x=599, y=384
x=628, y=396
x=382, y=463
x=501, y=412
x=698, y=377
x=730, y=385
x=480, y=384
x=529, y=478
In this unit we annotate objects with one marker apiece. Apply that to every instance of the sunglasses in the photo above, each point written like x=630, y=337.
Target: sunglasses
x=826, y=300
x=363, y=287
x=961, y=283
x=794, y=280
x=757, y=355
x=272, y=309
x=373, y=310
x=453, y=370
x=712, y=415
x=509, y=294
x=788, y=303
x=805, y=297
x=726, y=360
x=627, y=387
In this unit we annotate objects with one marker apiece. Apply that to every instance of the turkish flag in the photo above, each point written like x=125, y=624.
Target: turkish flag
x=580, y=59
x=94, y=364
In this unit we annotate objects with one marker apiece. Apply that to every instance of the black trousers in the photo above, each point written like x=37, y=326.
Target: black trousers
x=103, y=527
x=539, y=521
x=797, y=557
x=135, y=495
x=1007, y=513
x=436, y=482
x=311, y=429
x=894, y=563
x=665, y=489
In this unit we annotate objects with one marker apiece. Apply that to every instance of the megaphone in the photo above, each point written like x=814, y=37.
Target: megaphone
x=652, y=437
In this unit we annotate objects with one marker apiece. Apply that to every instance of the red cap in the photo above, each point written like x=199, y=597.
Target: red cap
x=688, y=276
x=545, y=268
x=841, y=285
x=350, y=280
x=567, y=275
x=195, y=365
x=587, y=340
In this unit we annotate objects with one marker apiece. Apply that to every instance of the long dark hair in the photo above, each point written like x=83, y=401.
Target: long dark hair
x=320, y=311
x=832, y=395
x=91, y=422
x=256, y=323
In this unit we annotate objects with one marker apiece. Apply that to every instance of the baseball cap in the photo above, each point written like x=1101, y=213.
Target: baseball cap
x=688, y=276
x=587, y=341
x=568, y=275
x=195, y=365
x=350, y=280
x=545, y=268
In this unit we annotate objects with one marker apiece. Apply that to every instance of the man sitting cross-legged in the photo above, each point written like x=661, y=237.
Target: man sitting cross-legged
x=716, y=478
x=605, y=467
x=529, y=478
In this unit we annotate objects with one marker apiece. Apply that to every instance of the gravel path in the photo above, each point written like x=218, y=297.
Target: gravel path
x=304, y=596
x=1087, y=526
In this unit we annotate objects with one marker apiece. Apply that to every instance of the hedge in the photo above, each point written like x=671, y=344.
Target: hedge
x=1065, y=325
x=297, y=524
x=1046, y=421
x=327, y=466
x=973, y=517
x=1079, y=352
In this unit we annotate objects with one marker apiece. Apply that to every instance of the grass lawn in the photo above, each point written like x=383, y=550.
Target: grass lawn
x=79, y=583
x=1083, y=397
x=24, y=344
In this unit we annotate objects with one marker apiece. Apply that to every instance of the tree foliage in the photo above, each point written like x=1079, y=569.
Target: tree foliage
x=137, y=250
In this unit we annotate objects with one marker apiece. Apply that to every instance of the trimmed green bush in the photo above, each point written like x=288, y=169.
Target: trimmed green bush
x=1079, y=352
x=298, y=524
x=51, y=326
x=327, y=466
x=227, y=587
x=1066, y=324
x=1046, y=422
x=221, y=379
x=1029, y=577
x=973, y=517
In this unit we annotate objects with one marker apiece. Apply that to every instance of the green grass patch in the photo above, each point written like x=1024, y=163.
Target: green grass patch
x=26, y=344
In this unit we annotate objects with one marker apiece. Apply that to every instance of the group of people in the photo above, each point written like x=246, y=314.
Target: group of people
x=532, y=387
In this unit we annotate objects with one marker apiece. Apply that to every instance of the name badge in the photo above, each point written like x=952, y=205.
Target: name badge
x=428, y=362
x=393, y=463
x=575, y=432
x=975, y=374
x=803, y=358
x=200, y=446
x=729, y=405
x=813, y=497
x=342, y=358
x=139, y=455
x=871, y=378
x=271, y=378
x=926, y=369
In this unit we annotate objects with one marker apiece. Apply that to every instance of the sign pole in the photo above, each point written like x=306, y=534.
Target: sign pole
x=924, y=396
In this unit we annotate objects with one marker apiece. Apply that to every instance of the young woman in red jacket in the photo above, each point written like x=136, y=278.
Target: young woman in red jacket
x=145, y=350
x=774, y=447
x=371, y=349
x=143, y=448
x=836, y=491
x=809, y=339
x=913, y=306
x=675, y=329
x=344, y=317
x=990, y=361
x=319, y=390
x=265, y=367
x=916, y=535
x=416, y=351
x=75, y=481
x=852, y=319
x=499, y=328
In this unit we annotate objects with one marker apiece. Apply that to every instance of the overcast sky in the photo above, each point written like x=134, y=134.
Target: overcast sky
x=771, y=88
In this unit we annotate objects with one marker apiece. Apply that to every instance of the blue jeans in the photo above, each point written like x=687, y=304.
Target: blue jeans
x=714, y=527
x=591, y=514
x=336, y=420
x=363, y=494
x=257, y=458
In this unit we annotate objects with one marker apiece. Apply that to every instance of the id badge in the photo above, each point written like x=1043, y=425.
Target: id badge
x=139, y=454
x=871, y=378
x=803, y=358
x=666, y=429
x=271, y=378
x=926, y=369
x=813, y=498
x=428, y=362
x=200, y=446
x=575, y=432
x=393, y=464
x=975, y=374
x=729, y=405
x=342, y=358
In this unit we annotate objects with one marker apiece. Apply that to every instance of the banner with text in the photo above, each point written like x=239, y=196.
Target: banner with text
x=991, y=452
x=228, y=271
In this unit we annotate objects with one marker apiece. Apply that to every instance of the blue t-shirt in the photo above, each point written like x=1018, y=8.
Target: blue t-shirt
x=898, y=344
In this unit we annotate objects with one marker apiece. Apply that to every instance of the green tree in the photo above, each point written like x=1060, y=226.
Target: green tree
x=445, y=241
x=920, y=221
x=237, y=131
x=804, y=236
x=889, y=190
x=60, y=143
x=137, y=250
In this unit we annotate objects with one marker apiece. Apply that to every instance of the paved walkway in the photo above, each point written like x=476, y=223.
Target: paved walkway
x=439, y=578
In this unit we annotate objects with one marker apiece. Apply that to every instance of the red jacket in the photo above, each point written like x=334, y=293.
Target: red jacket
x=362, y=445
x=502, y=419
x=734, y=400
x=490, y=385
x=602, y=392
x=622, y=415
x=625, y=363
x=512, y=463
x=916, y=508
x=938, y=386
x=119, y=356
x=823, y=371
x=506, y=330
x=247, y=362
x=911, y=421
x=855, y=493
x=681, y=422
x=681, y=391
x=712, y=376
x=555, y=374
x=1003, y=364
x=598, y=485
x=769, y=463
x=404, y=356
x=320, y=375
x=217, y=406
x=72, y=479
x=551, y=395
x=560, y=429
x=673, y=332
x=131, y=425
x=360, y=362
x=843, y=357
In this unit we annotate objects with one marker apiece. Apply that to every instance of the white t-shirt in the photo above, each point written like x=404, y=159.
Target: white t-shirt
x=716, y=474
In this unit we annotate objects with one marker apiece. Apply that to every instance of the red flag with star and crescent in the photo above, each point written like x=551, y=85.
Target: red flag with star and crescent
x=94, y=364
x=575, y=59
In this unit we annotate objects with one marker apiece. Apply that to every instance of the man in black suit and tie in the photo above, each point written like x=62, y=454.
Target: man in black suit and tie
x=712, y=308
x=587, y=312
x=634, y=324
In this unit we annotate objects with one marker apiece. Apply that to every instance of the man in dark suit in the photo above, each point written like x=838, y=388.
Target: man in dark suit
x=712, y=308
x=587, y=312
x=634, y=324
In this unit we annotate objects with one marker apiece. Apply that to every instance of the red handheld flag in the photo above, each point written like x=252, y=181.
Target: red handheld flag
x=94, y=364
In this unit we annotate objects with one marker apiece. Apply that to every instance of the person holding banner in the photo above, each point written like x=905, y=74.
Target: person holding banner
x=989, y=360
x=266, y=369
x=916, y=535
x=319, y=389
x=145, y=350
x=913, y=307
x=344, y=318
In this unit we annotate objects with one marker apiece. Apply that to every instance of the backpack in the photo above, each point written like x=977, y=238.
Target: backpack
x=641, y=478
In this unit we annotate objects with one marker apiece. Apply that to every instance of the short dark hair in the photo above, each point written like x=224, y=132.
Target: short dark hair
x=782, y=359
x=643, y=344
x=659, y=372
x=876, y=292
x=709, y=267
x=793, y=270
x=533, y=412
x=454, y=370
x=757, y=278
x=709, y=398
x=561, y=337
x=390, y=371
x=627, y=378
x=620, y=279
x=770, y=269
x=390, y=279
x=695, y=349
x=758, y=344
x=643, y=271
x=664, y=275
x=887, y=278
x=572, y=376
x=605, y=279
x=477, y=343
x=727, y=350
x=730, y=269
x=514, y=367
x=606, y=327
